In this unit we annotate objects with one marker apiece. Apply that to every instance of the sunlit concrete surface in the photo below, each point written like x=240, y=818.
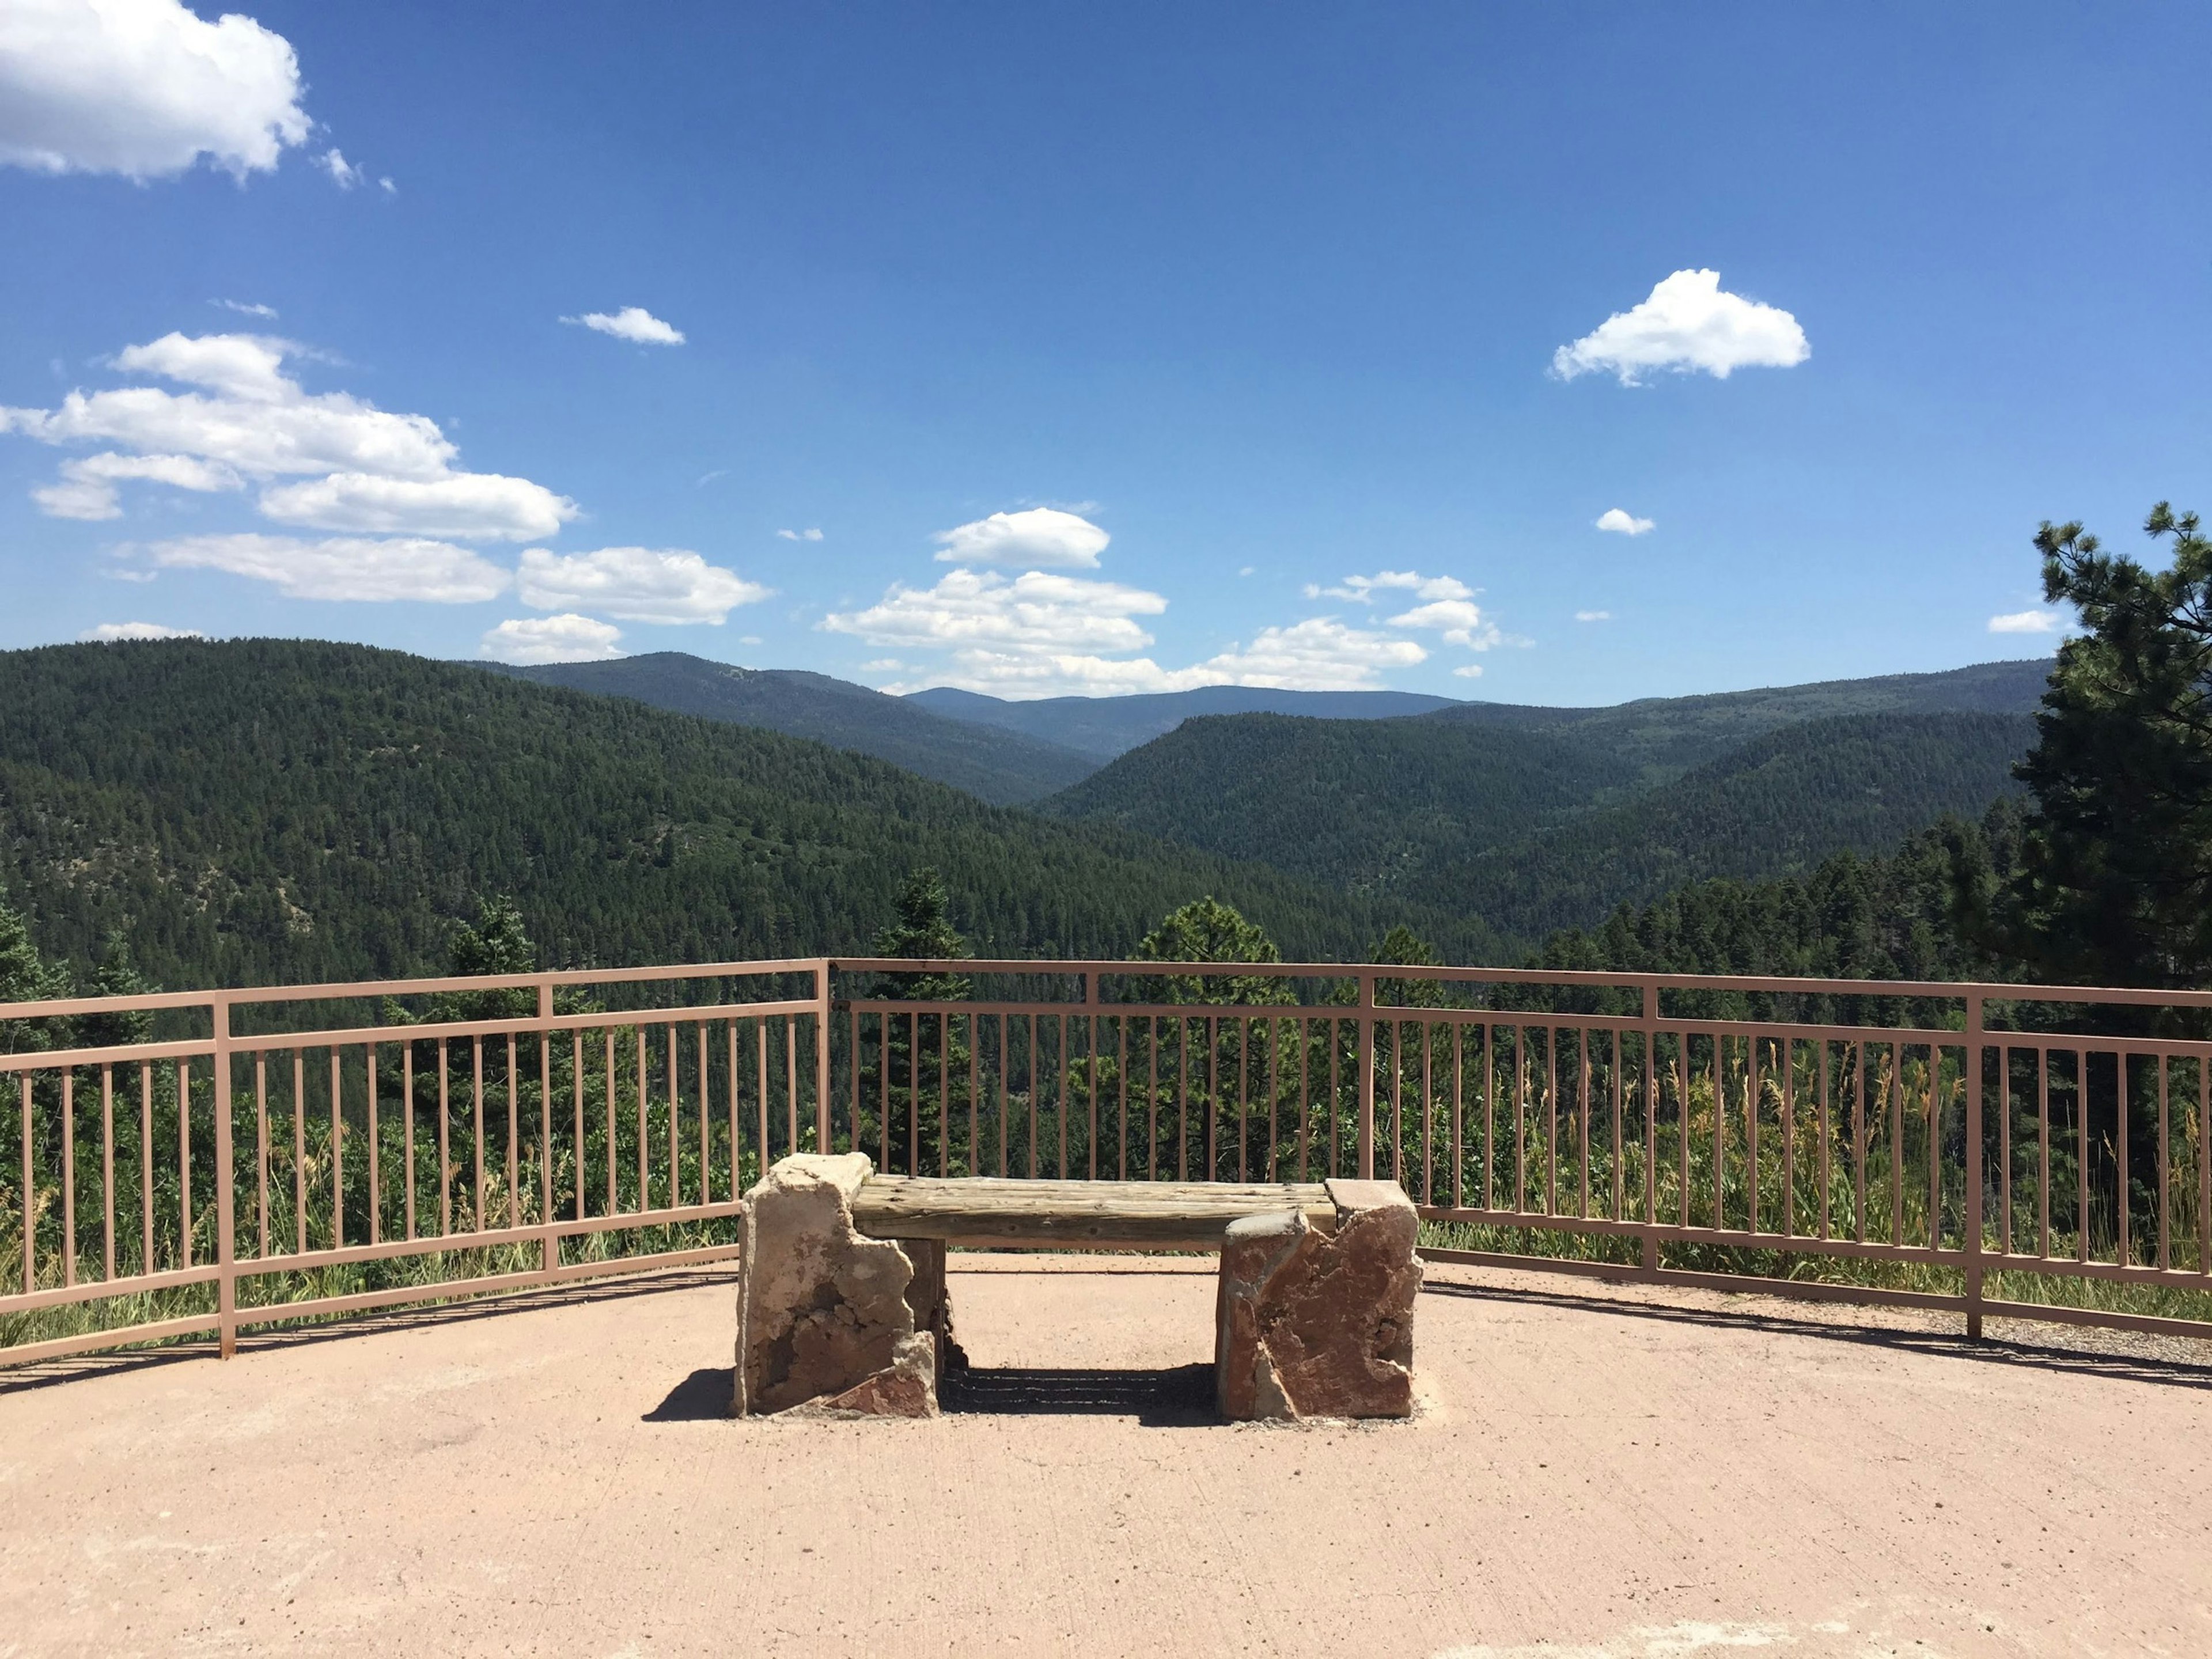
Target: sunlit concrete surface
x=1599, y=1471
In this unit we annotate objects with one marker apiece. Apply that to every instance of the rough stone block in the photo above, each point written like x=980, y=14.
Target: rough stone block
x=823, y=1312
x=1313, y=1325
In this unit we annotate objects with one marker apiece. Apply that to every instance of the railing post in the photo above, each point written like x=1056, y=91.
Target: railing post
x=226, y=1281
x=1367, y=1077
x=822, y=1057
x=1974, y=1023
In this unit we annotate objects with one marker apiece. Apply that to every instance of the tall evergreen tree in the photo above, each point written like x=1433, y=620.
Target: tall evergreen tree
x=2115, y=886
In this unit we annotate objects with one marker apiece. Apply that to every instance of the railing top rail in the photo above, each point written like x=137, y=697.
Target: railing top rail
x=1954, y=990
x=400, y=987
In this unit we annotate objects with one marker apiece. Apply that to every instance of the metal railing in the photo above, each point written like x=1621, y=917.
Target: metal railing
x=293, y=1153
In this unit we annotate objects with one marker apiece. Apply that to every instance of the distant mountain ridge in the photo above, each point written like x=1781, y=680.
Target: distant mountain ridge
x=999, y=765
x=1106, y=727
x=1529, y=819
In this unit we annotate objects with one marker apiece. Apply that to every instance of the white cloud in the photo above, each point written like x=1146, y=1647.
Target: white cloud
x=268, y=312
x=632, y=323
x=387, y=186
x=108, y=633
x=800, y=535
x=1472, y=671
x=87, y=490
x=1687, y=324
x=142, y=87
x=638, y=584
x=1040, y=538
x=343, y=567
x=1037, y=612
x=1460, y=620
x=1318, y=654
x=566, y=638
x=1593, y=616
x=343, y=172
x=473, y=506
x=1617, y=522
x=249, y=419
x=2031, y=621
x=1245, y=569
x=1363, y=589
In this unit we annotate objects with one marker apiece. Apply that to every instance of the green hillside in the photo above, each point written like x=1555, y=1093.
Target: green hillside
x=1372, y=807
x=996, y=763
x=1104, y=727
x=1777, y=806
x=253, y=811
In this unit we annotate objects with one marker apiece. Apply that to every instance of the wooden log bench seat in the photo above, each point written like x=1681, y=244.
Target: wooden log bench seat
x=842, y=1303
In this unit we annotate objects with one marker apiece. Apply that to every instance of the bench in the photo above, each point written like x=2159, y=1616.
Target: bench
x=843, y=1307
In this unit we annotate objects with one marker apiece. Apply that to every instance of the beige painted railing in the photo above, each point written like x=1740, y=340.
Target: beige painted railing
x=295, y=1152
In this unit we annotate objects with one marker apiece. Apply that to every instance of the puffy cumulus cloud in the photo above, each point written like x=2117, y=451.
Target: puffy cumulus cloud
x=1472, y=671
x=473, y=506
x=244, y=417
x=1688, y=325
x=632, y=323
x=1461, y=622
x=1040, y=539
x=144, y=88
x=1318, y=654
x=1616, y=522
x=87, y=490
x=638, y=584
x=109, y=633
x=1593, y=616
x=1042, y=634
x=343, y=568
x=2031, y=621
x=1363, y=589
x=343, y=173
x=528, y=641
x=1036, y=612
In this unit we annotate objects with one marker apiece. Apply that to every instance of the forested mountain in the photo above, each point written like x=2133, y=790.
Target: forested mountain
x=1531, y=826
x=1778, y=805
x=1106, y=727
x=997, y=764
x=1367, y=805
x=251, y=811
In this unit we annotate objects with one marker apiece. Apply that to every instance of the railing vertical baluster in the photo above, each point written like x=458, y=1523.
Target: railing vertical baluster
x=445, y=1139
x=791, y=1077
x=1305, y=1097
x=1582, y=1118
x=1336, y=1096
x=261, y=1145
x=1859, y=1139
x=552, y=1242
x=1090, y=1055
x=914, y=1090
x=1786, y=1054
x=2005, y=1052
x=226, y=1189
x=185, y=1161
x=2203, y=1168
x=884, y=1087
x=2123, y=1252
x=1428, y=1111
x=674, y=1125
x=407, y=1124
x=2042, y=1150
x=1365, y=1127
x=576, y=1092
x=375, y=1192
x=737, y=1161
x=337, y=1153
x=298, y=1151
x=1650, y=994
x=853, y=1048
x=69, y=1176
x=1720, y=1131
x=1520, y=1118
x=824, y=1138
x=145, y=1170
x=2165, y=1169
x=1934, y=1146
x=1213, y=1098
x=1398, y=1101
x=645, y=1130
x=1031, y=1073
x=1551, y=1119
x=1820, y=1063
x=1121, y=1097
x=30, y=1202
x=513, y=1139
x=477, y=1135
x=760, y=1044
x=1152, y=1103
x=2082, y=1152
x=1489, y=1118
x=107, y=1170
x=1618, y=1212
x=706, y=1118
x=1893, y=1102
x=1974, y=1194
x=1243, y=1096
x=945, y=1091
x=974, y=1093
x=1459, y=1115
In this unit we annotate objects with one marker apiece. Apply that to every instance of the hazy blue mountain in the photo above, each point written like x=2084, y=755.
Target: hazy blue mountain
x=998, y=764
x=1107, y=727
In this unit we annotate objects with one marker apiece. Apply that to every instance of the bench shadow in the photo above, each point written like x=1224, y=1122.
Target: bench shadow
x=705, y=1394
x=1176, y=1396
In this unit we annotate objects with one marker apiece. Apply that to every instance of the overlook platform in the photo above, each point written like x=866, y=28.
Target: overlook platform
x=1598, y=1471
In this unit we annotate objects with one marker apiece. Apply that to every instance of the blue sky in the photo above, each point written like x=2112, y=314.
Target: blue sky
x=1249, y=323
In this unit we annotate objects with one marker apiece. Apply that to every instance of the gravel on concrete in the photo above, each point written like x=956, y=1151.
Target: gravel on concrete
x=1597, y=1471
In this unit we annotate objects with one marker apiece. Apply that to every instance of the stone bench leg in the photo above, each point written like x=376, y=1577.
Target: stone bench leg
x=826, y=1316
x=1310, y=1326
